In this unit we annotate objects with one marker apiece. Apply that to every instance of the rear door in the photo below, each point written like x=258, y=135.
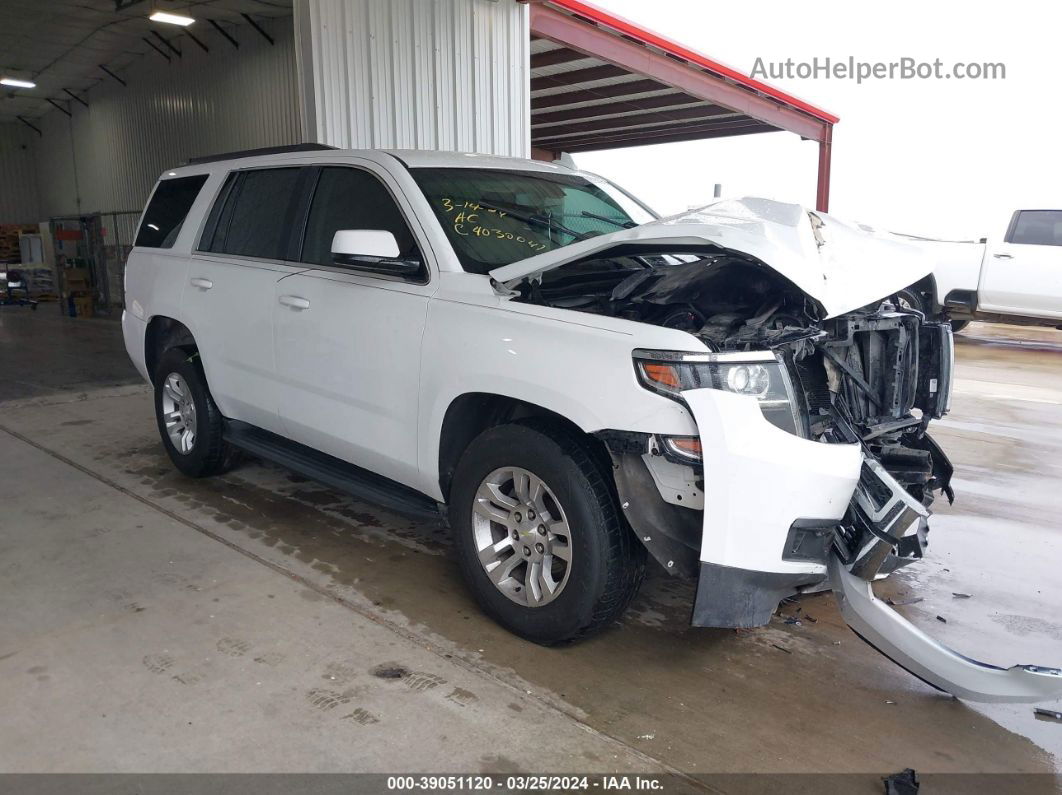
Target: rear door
x=229, y=295
x=348, y=341
x=1023, y=275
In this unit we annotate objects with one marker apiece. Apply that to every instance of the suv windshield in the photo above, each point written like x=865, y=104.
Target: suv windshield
x=494, y=217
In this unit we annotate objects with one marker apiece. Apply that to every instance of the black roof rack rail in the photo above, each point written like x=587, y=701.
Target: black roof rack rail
x=269, y=150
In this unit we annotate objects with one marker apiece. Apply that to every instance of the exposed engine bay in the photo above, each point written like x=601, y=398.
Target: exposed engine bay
x=875, y=376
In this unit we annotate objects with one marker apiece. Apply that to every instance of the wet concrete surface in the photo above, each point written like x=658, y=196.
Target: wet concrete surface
x=790, y=697
x=43, y=352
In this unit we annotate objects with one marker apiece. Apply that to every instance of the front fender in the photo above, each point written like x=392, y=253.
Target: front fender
x=533, y=354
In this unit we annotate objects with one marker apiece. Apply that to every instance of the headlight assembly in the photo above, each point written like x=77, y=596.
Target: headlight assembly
x=757, y=374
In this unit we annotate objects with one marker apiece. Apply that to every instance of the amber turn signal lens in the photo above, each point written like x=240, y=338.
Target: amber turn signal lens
x=662, y=374
x=689, y=446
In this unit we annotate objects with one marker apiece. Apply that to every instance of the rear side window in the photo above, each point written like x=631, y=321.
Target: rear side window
x=166, y=211
x=257, y=216
x=1037, y=228
x=349, y=198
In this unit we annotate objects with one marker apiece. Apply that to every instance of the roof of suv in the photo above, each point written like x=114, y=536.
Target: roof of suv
x=412, y=158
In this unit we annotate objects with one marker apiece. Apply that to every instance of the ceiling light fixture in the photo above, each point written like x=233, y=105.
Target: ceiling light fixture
x=173, y=19
x=16, y=83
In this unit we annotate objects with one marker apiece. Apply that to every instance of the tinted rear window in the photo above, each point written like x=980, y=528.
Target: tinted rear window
x=168, y=208
x=258, y=214
x=1038, y=228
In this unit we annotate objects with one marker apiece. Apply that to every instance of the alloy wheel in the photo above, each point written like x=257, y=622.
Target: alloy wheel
x=178, y=413
x=522, y=536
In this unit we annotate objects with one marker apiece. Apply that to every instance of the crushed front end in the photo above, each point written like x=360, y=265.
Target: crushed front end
x=809, y=464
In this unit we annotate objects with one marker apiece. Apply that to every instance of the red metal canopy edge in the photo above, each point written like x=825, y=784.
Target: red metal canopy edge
x=628, y=28
x=601, y=19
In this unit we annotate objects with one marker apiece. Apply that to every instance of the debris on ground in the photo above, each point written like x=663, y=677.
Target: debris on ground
x=782, y=648
x=646, y=736
x=902, y=783
x=1048, y=714
x=959, y=595
x=902, y=602
x=811, y=618
x=942, y=620
x=889, y=702
x=792, y=620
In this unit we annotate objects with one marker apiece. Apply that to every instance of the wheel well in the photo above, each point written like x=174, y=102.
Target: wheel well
x=927, y=288
x=162, y=334
x=471, y=414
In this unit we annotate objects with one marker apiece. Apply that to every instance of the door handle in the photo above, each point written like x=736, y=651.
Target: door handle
x=202, y=284
x=294, y=302
x=1003, y=256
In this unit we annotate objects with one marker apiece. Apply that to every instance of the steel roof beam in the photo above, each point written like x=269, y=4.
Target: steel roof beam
x=577, y=95
x=614, y=108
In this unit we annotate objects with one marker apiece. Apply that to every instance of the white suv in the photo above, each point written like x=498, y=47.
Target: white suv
x=740, y=394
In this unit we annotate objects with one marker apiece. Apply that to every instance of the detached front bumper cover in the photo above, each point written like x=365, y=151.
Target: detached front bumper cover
x=932, y=662
x=891, y=519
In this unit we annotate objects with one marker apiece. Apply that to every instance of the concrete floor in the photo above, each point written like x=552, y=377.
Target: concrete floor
x=155, y=623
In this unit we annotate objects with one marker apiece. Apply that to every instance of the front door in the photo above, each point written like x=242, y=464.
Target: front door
x=348, y=342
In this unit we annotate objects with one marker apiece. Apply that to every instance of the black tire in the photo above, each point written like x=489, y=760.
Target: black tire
x=959, y=325
x=209, y=454
x=913, y=299
x=607, y=562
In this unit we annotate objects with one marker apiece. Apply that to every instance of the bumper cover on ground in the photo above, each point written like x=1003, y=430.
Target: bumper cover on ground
x=932, y=662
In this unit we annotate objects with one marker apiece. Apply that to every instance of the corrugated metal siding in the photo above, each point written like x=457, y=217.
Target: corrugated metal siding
x=199, y=104
x=417, y=74
x=18, y=178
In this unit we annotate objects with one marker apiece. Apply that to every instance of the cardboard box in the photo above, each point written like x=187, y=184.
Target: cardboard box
x=83, y=306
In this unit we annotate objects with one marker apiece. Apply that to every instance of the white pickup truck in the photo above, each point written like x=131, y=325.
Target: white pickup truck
x=1016, y=280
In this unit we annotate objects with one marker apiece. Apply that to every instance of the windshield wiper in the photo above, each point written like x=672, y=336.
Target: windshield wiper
x=628, y=224
x=540, y=220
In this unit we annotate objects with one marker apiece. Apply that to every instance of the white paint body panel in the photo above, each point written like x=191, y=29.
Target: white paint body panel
x=574, y=364
x=1021, y=279
x=760, y=479
x=348, y=369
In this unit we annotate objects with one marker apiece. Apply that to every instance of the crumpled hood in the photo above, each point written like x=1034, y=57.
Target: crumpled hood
x=841, y=265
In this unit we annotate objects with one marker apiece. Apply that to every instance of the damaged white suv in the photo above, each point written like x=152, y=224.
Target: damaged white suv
x=739, y=394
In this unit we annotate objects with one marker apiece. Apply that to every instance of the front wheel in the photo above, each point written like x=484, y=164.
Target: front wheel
x=539, y=539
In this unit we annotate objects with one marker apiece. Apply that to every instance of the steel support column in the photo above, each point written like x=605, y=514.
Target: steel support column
x=822, y=194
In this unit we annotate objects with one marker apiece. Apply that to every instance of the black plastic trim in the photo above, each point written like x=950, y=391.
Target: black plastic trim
x=267, y=150
x=961, y=299
x=740, y=598
x=809, y=540
x=340, y=475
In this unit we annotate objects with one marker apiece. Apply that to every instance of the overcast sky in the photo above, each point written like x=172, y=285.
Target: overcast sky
x=943, y=158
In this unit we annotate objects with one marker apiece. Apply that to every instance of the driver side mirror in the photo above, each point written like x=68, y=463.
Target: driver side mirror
x=372, y=250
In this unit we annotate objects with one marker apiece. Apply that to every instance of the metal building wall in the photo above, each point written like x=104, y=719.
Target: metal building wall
x=108, y=156
x=415, y=74
x=18, y=179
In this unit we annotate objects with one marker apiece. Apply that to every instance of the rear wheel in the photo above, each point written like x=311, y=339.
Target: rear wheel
x=959, y=325
x=188, y=419
x=539, y=539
